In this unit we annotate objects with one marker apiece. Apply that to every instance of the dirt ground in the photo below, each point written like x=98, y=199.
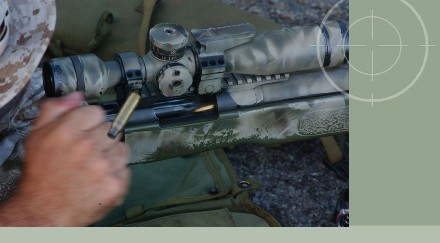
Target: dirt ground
x=298, y=187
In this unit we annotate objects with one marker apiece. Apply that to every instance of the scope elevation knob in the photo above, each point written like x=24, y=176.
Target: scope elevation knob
x=168, y=41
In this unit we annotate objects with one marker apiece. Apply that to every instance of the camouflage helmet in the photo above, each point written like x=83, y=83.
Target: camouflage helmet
x=26, y=27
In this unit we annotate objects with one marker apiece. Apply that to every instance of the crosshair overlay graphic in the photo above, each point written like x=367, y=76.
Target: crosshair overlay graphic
x=373, y=72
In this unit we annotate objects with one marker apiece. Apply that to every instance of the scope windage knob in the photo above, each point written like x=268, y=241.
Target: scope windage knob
x=174, y=80
x=168, y=41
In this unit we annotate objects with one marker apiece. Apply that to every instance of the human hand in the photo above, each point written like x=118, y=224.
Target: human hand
x=73, y=173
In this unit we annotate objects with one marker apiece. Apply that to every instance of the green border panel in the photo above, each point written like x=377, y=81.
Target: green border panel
x=394, y=115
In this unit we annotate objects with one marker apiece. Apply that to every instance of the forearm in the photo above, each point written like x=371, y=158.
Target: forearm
x=20, y=210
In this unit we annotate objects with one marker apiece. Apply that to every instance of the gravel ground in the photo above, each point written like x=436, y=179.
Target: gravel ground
x=298, y=188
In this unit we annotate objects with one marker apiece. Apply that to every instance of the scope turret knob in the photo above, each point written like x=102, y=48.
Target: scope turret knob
x=168, y=41
x=174, y=79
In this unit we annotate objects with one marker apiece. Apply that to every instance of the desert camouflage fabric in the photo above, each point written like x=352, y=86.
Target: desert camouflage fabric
x=16, y=124
x=14, y=127
x=31, y=25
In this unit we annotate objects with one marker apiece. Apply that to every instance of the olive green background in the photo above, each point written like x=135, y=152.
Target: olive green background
x=394, y=145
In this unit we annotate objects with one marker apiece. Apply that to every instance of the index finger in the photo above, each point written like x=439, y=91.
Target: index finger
x=54, y=108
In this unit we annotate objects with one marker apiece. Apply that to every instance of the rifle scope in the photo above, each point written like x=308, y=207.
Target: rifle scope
x=174, y=66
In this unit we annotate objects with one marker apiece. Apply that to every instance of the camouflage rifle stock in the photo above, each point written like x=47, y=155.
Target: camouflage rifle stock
x=218, y=86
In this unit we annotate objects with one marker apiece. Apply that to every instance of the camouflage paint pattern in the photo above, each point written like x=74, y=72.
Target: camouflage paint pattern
x=277, y=123
x=31, y=25
x=286, y=50
x=98, y=75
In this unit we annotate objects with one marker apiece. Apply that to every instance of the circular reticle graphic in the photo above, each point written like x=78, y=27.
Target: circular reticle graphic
x=376, y=72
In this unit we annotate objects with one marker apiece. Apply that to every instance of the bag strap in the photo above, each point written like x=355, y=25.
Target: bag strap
x=147, y=8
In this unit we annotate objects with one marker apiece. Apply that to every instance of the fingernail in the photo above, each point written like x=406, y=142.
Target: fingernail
x=73, y=99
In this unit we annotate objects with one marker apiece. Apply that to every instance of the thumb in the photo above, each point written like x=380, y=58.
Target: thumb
x=53, y=108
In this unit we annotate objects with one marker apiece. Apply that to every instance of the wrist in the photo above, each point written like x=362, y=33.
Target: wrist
x=21, y=210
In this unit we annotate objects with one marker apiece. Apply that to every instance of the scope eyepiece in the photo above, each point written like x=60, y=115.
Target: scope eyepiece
x=49, y=80
x=86, y=73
